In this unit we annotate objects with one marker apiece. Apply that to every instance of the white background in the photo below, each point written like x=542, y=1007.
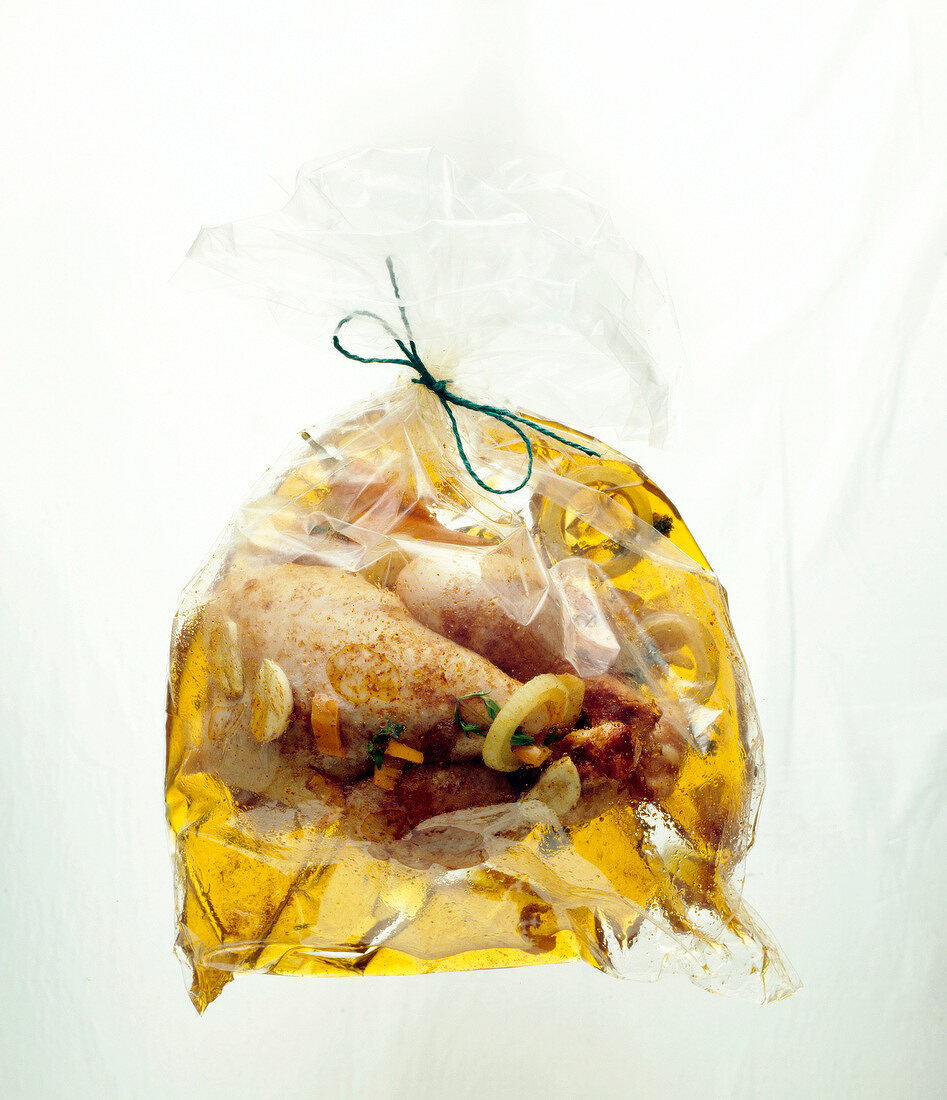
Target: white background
x=785, y=165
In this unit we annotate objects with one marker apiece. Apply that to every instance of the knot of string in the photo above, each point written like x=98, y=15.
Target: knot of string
x=439, y=387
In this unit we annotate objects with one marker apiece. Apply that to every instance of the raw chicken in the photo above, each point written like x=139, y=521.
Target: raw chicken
x=493, y=604
x=314, y=797
x=617, y=761
x=629, y=741
x=508, y=608
x=338, y=637
x=423, y=792
x=392, y=820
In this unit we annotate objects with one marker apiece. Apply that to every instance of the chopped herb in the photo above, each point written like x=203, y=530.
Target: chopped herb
x=471, y=727
x=378, y=744
x=552, y=736
x=492, y=707
x=663, y=524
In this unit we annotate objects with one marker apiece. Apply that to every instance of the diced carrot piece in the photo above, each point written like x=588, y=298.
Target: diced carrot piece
x=404, y=752
x=531, y=755
x=388, y=774
x=325, y=726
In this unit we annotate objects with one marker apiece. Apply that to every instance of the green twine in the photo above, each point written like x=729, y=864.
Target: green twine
x=444, y=395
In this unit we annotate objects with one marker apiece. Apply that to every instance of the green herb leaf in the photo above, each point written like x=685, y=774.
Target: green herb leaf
x=552, y=736
x=521, y=738
x=492, y=707
x=376, y=751
x=376, y=747
x=471, y=727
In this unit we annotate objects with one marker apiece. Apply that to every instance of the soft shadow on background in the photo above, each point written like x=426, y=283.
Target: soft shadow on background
x=785, y=169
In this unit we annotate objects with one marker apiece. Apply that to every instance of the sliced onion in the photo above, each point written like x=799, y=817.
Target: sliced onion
x=576, y=689
x=624, y=487
x=546, y=690
x=676, y=636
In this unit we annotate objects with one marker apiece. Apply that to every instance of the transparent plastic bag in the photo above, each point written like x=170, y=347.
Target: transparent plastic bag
x=457, y=688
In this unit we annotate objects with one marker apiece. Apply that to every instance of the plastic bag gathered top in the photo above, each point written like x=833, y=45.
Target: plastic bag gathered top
x=457, y=688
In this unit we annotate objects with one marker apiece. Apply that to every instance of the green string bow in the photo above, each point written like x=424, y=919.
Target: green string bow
x=439, y=388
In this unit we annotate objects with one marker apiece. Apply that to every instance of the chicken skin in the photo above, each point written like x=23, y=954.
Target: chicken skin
x=522, y=618
x=493, y=604
x=339, y=638
x=423, y=792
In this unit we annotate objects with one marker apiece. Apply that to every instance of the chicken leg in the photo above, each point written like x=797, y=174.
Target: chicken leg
x=338, y=637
